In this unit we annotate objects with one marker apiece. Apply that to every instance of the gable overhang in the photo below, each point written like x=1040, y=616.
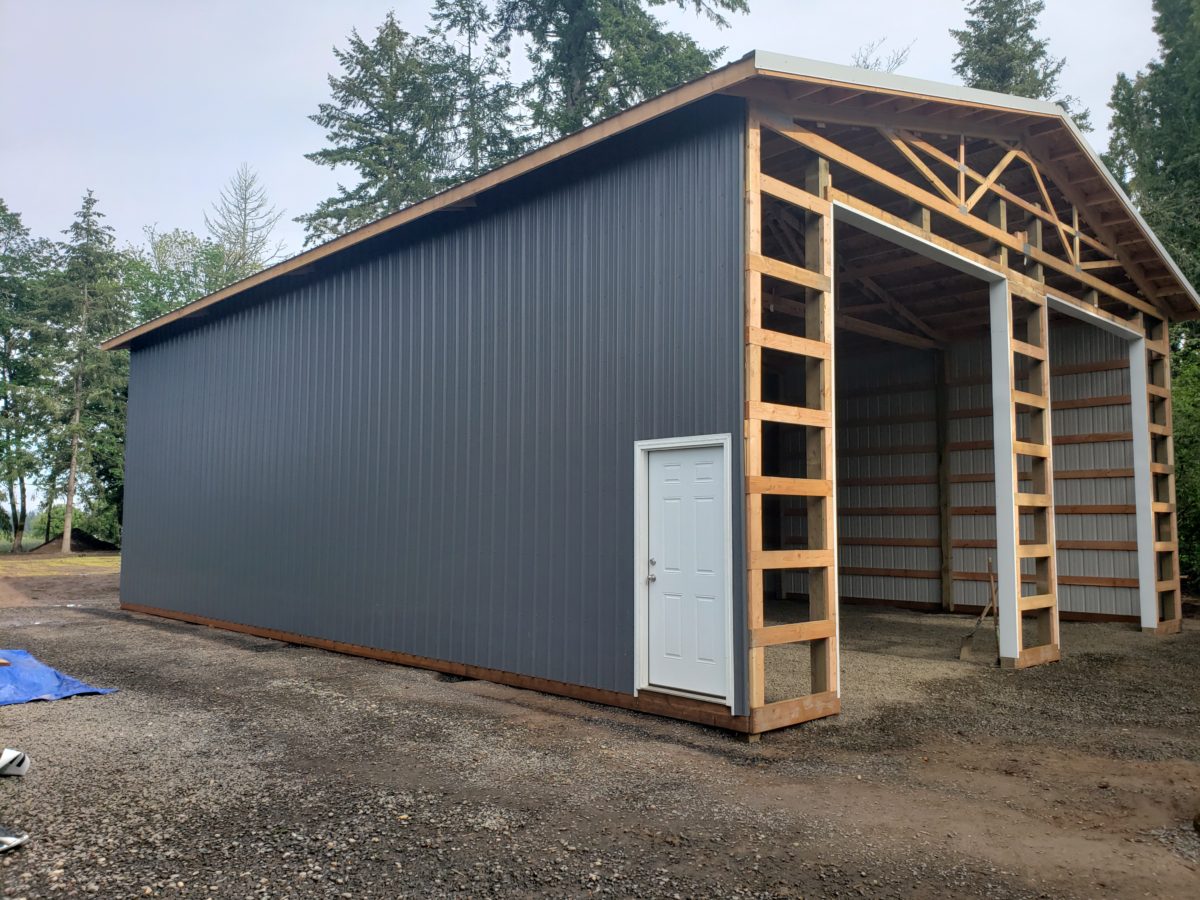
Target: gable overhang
x=816, y=90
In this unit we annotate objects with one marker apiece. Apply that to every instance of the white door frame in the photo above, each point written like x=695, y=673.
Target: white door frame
x=1005, y=468
x=641, y=538
x=1008, y=570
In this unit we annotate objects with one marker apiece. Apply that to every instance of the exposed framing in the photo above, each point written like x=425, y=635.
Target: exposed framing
x=1019, y=304
x=641, y=532
x=815, y=350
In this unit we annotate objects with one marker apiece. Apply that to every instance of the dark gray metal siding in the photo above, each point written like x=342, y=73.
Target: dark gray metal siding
x=430, y=450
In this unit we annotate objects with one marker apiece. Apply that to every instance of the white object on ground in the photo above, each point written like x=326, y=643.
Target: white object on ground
x=13, y=762
x=10, y=839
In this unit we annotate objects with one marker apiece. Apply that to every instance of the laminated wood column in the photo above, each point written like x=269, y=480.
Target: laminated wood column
x=752, y=456
x=1154, y=467
x=814, y=350
x=822, y=512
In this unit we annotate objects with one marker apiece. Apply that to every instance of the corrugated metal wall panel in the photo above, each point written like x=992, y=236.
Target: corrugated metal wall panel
x=1076, y=344
x=430, y=450
x=894, y=384
x=1072, y=345
x=971, y=360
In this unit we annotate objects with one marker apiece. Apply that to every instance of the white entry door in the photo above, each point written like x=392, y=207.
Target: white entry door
x=688, y=628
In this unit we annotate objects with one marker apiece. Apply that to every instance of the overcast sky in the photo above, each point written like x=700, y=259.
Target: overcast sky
x=154, y=104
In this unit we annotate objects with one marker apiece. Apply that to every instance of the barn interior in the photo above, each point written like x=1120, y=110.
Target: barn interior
x=915, y=484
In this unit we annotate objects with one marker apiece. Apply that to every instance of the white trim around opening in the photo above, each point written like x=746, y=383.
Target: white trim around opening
x=641, y=536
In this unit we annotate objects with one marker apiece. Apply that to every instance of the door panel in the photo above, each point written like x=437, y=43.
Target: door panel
x=687, y=600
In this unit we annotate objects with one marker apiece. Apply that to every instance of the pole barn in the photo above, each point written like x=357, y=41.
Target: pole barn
x=582, y=415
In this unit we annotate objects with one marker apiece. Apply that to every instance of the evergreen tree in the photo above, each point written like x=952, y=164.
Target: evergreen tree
x=24, y=367
x=241, y=223
x=88, y=303
x=593, y=58
x=489, y=129
x=1155, y=150
x=390, y=118
x=412, y=115
x=998, y=50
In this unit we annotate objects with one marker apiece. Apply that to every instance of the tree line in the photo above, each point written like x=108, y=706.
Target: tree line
x=411, y=113
x=62, y=399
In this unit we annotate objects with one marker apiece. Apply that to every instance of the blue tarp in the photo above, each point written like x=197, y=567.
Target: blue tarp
x=26, y=679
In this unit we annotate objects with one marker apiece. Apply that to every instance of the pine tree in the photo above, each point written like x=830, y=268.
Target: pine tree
x=593, y=58
x=1155, y=150
x=489, y=126
x=87, y=303
x=24, y=367
x=390, y=119
x=998, y=50
x=1154, y=147
x=241, y=224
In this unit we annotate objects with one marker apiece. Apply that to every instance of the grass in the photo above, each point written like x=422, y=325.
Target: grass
x=25, y=566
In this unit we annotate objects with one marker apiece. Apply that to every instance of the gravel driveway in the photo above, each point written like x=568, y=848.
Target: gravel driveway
x=230, y=766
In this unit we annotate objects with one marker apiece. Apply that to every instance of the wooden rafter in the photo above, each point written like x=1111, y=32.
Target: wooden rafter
x=1132, y=267
x=826, y=147
x=998, y=189
x=919, y=165
x=872, y=288
x=1056, y=221
x=885, y=333
x=987, y=183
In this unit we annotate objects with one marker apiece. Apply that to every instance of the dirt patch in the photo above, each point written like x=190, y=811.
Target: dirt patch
x=228, y=765
x=81, y=542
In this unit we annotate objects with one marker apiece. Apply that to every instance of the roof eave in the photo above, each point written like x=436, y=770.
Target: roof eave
x=720, y=79
x=753, y=65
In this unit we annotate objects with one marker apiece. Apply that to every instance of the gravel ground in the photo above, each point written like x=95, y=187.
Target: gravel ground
x=230, y=766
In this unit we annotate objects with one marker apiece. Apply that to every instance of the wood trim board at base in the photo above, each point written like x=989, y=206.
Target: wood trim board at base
x=701, y=713
x=792, y=712
x=1033, y=656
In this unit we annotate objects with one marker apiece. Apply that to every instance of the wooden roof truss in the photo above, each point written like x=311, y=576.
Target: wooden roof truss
x=994, y=203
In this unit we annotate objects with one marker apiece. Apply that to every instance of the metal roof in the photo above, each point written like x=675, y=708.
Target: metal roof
x=754, y=65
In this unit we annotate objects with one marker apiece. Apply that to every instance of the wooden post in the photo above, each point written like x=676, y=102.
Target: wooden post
x=1033, y=402
x=822, y=512
x=752, y=457
x=814, y=353
x=997, y=215
x=1167, y=600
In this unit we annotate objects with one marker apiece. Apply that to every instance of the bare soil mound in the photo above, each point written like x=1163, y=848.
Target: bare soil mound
x=81, y=542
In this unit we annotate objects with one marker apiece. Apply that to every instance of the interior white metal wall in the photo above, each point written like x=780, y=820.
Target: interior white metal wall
x=886, y=426
x=1074, y=345
x=879, y=461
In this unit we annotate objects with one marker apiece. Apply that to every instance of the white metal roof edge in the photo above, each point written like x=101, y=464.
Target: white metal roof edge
x=768, y=61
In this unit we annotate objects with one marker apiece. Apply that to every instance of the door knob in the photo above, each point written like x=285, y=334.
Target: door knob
x=652, y=577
